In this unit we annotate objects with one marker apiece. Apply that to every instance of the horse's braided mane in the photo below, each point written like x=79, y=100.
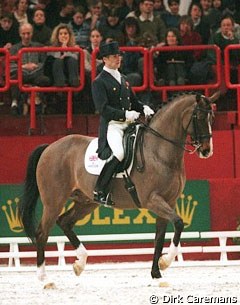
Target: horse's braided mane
x=173, y=98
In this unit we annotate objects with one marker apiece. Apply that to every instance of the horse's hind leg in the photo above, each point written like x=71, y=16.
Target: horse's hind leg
x=47, y=221
x=66, y=222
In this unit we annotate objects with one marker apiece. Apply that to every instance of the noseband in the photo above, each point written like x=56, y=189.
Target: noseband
x=197, y=137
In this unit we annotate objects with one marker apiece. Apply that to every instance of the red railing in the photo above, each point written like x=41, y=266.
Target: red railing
x=141, y=50
x=227, y=68
x=5, y=69
x=206, y=87
x=34, y=89
x=148, y=75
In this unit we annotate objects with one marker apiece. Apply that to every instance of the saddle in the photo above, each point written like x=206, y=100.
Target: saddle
x=129, y=145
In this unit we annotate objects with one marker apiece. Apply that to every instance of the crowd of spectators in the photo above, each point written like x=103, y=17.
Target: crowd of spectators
x=85, y=24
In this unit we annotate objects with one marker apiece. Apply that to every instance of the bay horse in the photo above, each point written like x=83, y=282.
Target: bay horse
x=56, y=172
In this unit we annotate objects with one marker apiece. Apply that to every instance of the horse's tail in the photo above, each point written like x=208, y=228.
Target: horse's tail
x=30, y=195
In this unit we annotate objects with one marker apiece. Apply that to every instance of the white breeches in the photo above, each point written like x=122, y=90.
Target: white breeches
x=115, y=138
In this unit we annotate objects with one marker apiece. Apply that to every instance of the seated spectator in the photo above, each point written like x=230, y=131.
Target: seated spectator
x=211, y=15
x=188, y=35
x=41, y=32
x=110, y=26
x=9, y=32
x=159, y=8
x=95, y=41
x=173, y=65
x=80, y=28
x=21, y=11
x=94, y=14
x=63, y=67
x=171, y=19
x=200, y=24
x=87, y=105
x=61, y=12
x=32, y=65
x=131, y=59
x=222, y=39
x=126, y=7
x=149, y=23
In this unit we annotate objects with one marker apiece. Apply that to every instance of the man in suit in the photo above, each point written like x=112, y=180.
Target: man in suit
x=118, y=106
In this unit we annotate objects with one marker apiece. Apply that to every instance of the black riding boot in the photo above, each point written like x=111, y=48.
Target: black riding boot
x=101, y=193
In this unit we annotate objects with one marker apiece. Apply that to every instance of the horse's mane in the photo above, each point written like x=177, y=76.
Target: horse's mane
x=172, y=100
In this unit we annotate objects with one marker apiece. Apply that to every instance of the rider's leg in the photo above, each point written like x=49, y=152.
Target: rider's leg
x=102, y=186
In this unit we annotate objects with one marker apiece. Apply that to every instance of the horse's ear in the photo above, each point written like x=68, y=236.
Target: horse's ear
x=215, y=96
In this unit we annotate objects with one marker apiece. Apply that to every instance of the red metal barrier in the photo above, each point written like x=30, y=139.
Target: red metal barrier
x=205, y=87
x=141, y=50
x=5, y=69
x=35, y=89
x=228, y=68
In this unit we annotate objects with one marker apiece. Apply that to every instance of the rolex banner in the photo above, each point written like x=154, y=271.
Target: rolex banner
x=192, y=206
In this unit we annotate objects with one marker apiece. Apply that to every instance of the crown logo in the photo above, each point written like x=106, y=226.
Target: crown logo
x=185, y=209
x=11, y=213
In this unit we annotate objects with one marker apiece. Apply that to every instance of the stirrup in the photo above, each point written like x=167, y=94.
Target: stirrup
x=102, y=198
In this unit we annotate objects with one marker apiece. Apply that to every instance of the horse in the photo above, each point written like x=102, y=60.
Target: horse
x=56, y=172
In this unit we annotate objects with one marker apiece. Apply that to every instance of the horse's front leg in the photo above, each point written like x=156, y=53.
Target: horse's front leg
x=161, y=227
x=166, y=259
x=165, y=213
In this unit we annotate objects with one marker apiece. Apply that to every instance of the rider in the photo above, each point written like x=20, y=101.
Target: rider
x=118, y=106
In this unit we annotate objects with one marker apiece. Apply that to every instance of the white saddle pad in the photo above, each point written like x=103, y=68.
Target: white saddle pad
x=93, y=164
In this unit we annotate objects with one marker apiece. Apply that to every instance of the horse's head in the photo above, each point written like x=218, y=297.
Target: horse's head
x=200, y=125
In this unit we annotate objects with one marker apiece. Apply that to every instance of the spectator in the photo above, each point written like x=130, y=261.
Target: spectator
x=206, y=6
x=126, y=7
x=131, y=59
x=9, y=33
x=66, y=12
x=110, y=26
x=173, y=65
x=80, y=28
x=149, y=23
x=215, y=15
x=188, y=35
x=172, y=18
x=63, y=67
x=224, y=38
x=32, y=65
x=41, y=32
x=94, y=14
x=85, y=95
x=21, y=11
x=159, y=8
x=200, y=24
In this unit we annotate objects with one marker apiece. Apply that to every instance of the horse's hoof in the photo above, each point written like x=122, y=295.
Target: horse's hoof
x=159, y=283
x=50, y=286
x=77, y=268
x=163, y=263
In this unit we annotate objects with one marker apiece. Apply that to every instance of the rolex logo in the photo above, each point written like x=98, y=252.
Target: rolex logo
x=185, y=209
x=11, y=213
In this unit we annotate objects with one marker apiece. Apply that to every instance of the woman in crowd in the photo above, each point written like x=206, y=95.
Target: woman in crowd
x=64, y=64
x=173, y=65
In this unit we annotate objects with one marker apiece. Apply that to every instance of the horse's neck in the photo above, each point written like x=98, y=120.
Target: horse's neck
x=169, y=123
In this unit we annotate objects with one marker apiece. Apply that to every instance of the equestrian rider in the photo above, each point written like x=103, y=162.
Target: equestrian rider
x=118, y=106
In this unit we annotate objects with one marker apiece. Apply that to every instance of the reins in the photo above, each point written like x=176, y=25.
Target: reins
x=195, y=144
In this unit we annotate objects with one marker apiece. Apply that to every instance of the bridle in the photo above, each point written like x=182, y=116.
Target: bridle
x=196, y=137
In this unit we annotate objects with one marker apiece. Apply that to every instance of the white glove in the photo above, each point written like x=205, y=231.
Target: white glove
x=147, y=111
x=132, y=115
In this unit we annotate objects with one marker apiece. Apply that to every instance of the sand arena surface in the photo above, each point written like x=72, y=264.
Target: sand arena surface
x=133, y=286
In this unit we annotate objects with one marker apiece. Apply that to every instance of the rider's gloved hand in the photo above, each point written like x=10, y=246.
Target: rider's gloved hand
x=132, y=115
x=147, y=111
